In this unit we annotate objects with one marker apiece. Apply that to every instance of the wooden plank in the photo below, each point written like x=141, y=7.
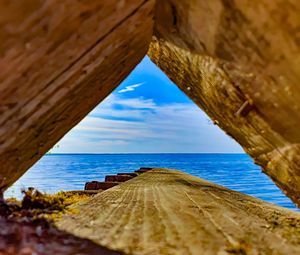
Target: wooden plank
x=58, y=60
x=239, y=62
x=169, y=212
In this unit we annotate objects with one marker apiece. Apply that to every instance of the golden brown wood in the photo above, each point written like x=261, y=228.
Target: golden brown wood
x=169, y=212
x=239, y=61
x=58, y=60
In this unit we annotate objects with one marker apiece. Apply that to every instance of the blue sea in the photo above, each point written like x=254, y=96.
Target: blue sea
x=57, y=172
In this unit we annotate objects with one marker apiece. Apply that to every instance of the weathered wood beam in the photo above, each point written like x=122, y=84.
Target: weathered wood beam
x=58, y=60
x=169, y=212
x=239, y=61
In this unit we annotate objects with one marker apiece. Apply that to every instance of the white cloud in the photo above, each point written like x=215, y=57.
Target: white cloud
x=137, y=103
x=156, y=128
x=135, y=108
x=130, y=88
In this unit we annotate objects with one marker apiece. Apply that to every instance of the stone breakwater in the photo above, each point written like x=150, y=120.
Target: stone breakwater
x=114, y=180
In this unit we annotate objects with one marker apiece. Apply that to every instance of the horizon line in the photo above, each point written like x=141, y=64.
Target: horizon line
x=112, y=153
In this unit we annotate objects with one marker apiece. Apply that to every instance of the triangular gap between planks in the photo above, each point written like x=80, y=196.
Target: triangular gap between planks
x=224, y=56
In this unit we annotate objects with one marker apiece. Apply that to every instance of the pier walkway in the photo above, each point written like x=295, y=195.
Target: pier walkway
x=166, y=211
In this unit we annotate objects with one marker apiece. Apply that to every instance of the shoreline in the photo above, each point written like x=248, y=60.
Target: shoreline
x=234, y=222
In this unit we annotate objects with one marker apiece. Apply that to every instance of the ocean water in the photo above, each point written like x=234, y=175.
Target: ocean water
x=57, y=172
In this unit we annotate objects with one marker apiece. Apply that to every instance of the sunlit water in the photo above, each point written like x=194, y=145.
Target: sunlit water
x=70, y=172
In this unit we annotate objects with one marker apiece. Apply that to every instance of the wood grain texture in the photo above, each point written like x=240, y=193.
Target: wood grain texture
x=239, y=61
x=169, y=212
x=58, y=60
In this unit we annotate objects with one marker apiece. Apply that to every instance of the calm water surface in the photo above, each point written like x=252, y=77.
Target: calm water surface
x=70, y=172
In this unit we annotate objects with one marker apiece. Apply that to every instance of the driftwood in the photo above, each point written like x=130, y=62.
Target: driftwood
x=239, y=61
x=58, y=60
x=169, y=212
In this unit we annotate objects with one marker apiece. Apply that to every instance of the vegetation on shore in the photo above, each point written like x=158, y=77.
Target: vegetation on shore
x=27, y=226
x=38, y=205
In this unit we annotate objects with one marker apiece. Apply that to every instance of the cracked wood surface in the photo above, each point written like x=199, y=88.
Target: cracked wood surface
x=169, y=212
x=58, y=60
x=239, y=61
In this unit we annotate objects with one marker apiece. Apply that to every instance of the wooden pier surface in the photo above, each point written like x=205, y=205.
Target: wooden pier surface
x=169, y=212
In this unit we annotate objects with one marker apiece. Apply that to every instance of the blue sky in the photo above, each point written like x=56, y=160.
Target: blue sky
x=147, y=113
